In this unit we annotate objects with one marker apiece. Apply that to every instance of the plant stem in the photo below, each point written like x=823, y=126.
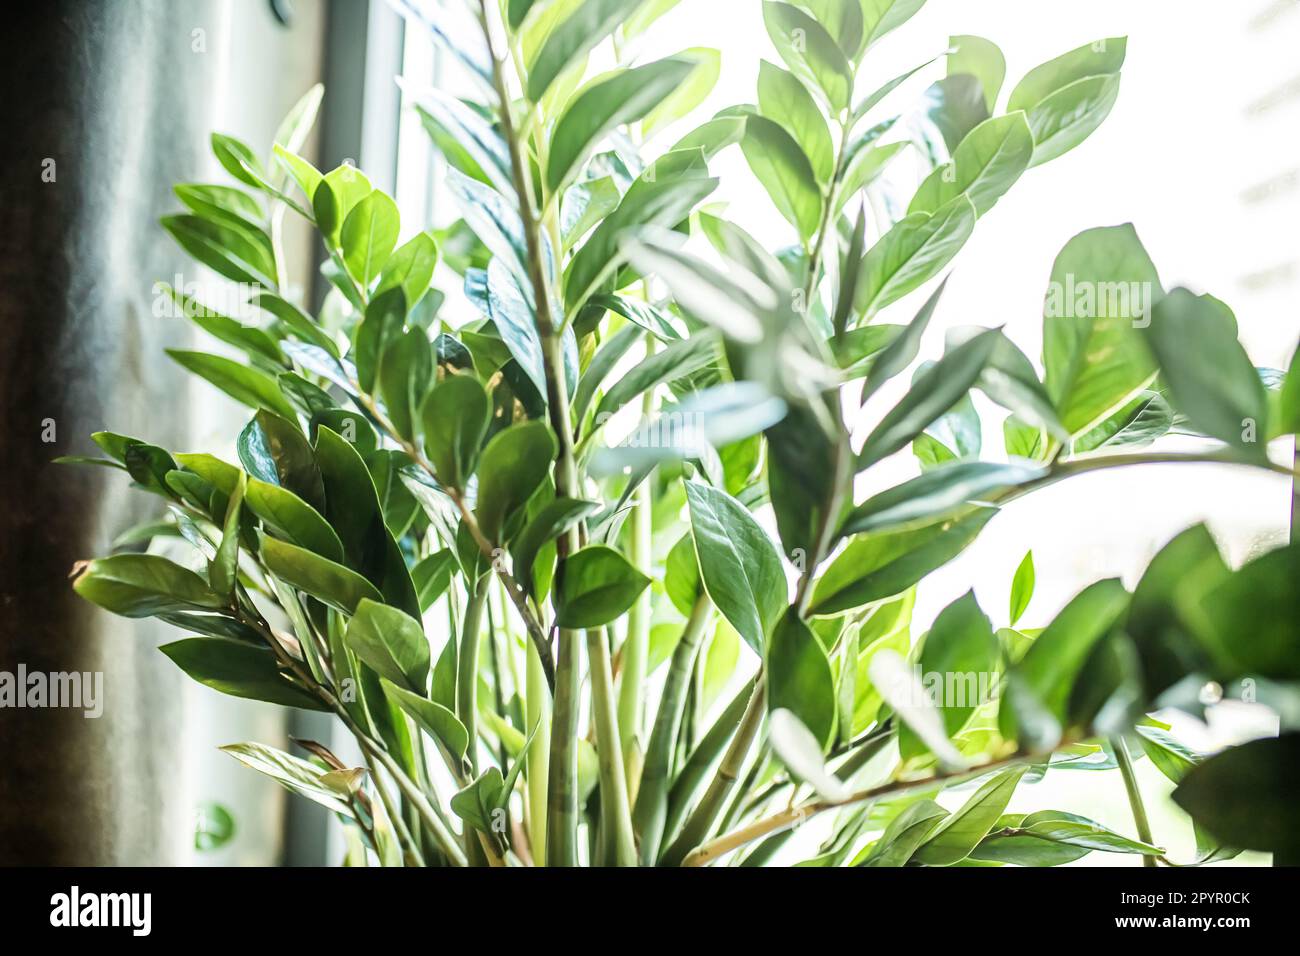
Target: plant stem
x=706, y=813
x=467, y=668
x=562, y=788
x=636, y=647
x=793, y=816
x=537, y=712
x=702, y=760
x=1134, y=796
x=615, y=813
x=651, y=810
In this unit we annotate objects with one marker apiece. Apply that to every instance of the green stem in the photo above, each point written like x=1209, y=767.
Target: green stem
x=616, y=814
x=1134, y=796
x=537, y=703
x=704, y=757
x=636, y=648
x=467, y=668
x=706, y=813
x=651, y=810
x=562, y=788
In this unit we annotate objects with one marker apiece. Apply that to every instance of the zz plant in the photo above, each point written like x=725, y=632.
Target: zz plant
x=554, y=647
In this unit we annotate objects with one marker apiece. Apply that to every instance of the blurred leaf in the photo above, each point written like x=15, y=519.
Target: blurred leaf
x=1245, y=796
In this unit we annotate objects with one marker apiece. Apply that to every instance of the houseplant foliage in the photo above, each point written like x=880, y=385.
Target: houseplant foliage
x=557, y=648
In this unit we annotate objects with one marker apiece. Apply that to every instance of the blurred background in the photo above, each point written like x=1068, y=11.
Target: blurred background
x=120, y=96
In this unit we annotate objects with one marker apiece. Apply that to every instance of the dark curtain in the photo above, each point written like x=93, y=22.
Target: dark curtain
x=107, y=104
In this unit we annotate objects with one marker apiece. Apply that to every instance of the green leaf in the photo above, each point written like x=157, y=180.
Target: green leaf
x=274, y=451
x=238, y=159
x=577, y=35
x=863, y=168
x=663, y=195
x=307, y=176
x=1052, y=838
x=434, y=719
x=1070, y=115
x=250, y=339
x=330, y=582
x=354, y=511
x=940, y=492
x=1045, y=677
x=494, y=220
x=554, y=519
x=1094, y=59
x=242, y=383
x=960, y=654
x=1245, y=796
x=598, y=587
x=405, y=371
x=1249, y=617
x=391, y=643
x=799, y=677
x=876, y=567
x=223, y=572
x=432, y=576
x=622, y=99
x=785, y=172
x=842, y=20
x=739, y=565
x=368, y=236
x=981, y=59
x=584, y=205
x=785, y=101
x=294, y=774
x=302, y=524
x=479, y=803
x=960, y=833
x=985, y=165
x=516, y=10
x=911, y=253
x=882, y=16
x=384, y=319
x=240, y=253
x=456, y=416
x=1209, y=377
x=410, y=268
x=1068, y=97
x=953, y=107
x=469, y=132
x=810, y=52
x=143, y=585
x=903, y=347
x=514, y=463
x=1022, y=587
x=296, y=320
x=342, y=189
x=806, y=468
x=1102, y=289
x=689, y=94
x=238, y=669
x=905, y=833
x=677, y=361
x=934, y=391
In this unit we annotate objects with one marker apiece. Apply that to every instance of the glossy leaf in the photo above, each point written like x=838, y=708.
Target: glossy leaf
x=739, y=565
